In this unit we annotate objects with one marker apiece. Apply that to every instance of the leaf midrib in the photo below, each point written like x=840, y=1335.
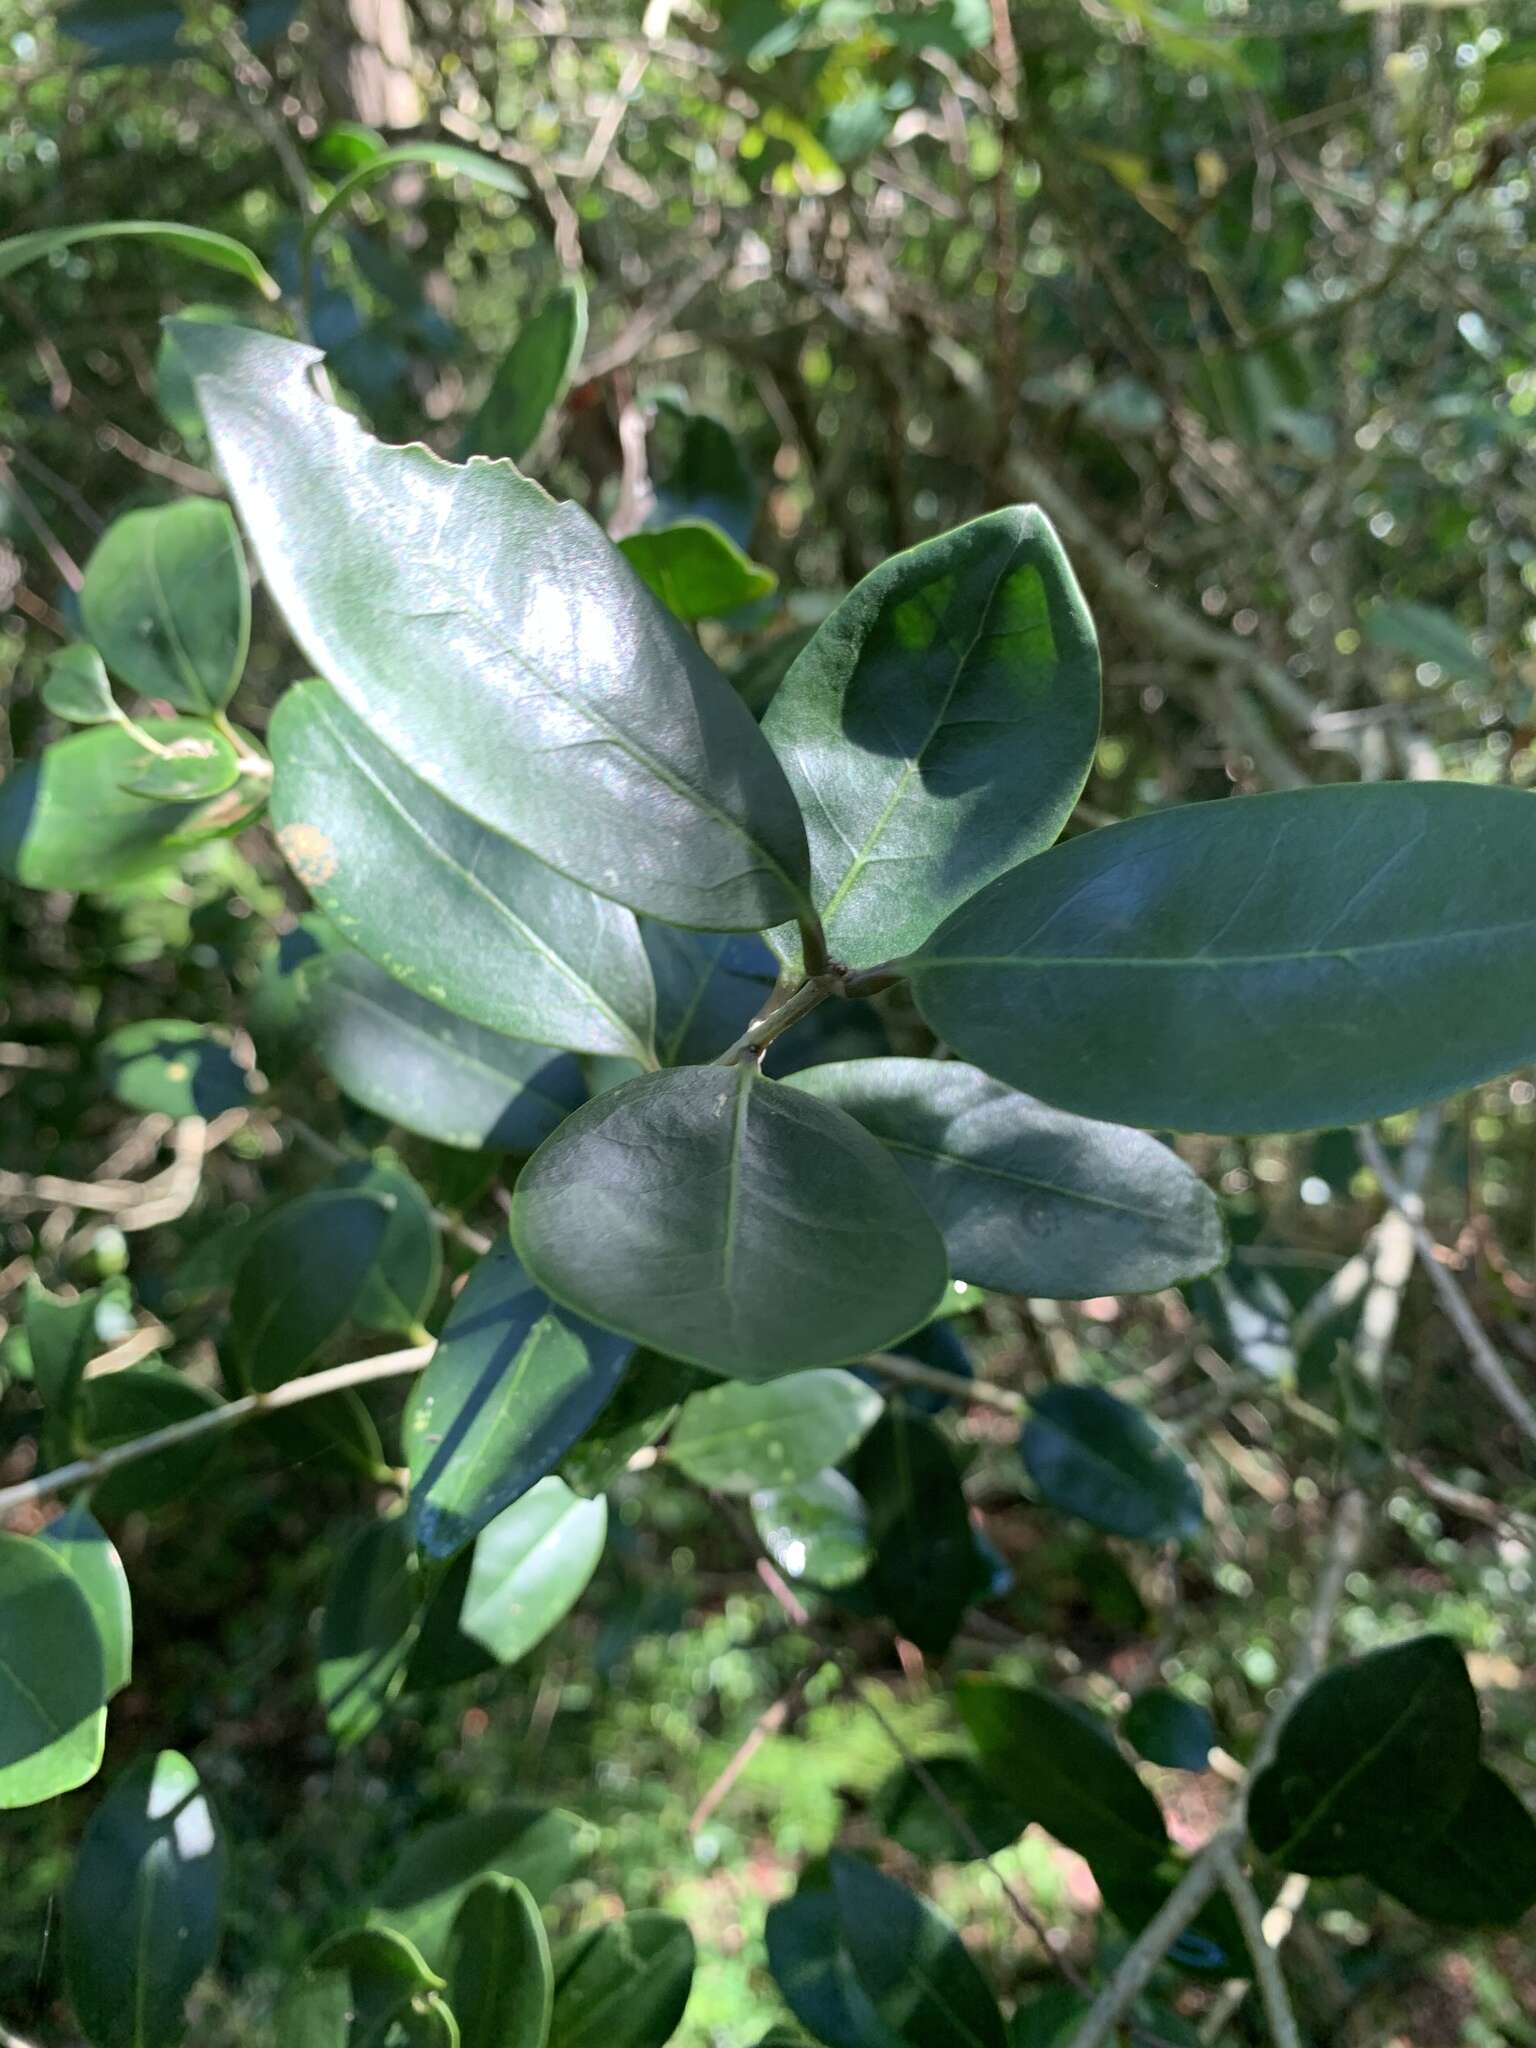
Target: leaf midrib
x=923, y=963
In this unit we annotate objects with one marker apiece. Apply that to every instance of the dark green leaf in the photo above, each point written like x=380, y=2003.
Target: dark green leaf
x=938, y=730
x=812, y=1967
x=930, y=1828
x=442, y=1655
x=402, y=1283
x=456, y=912
x=622, y=1985
x=53, y=1692
x=67, y=822
x=501, y=1979
x=446, y=158
x=643, y=1409
x=120, y=1406
x=1425, y=633
x=197, y=767
x=1091, y=1455
x=533, y=376
x=928, y=1566
x=143, y=1911
x=1050, y=2020
x=372, y=1611
x=1250, y=1317
x=1211, y=1946
x=199, y=245
x=390, y=1995
x=1377, y=1757
x=697, y=571
x=61, y=1336
x=87, y=1553
x=168, y=604
x=698, y=470
x=1261, y=963
x=421, y=1067
x=787, y=1236
x=1168, y=1730
x=300, y=1280
x=532, y=1565
x=76, y=687
x=169, y=1067
x=1030, y=1199
x=1074, y=1781
x=817, y=1531
x=540, y=1846
x=583, y=723
x=1479, y=1871
x=911, y=1963
x=173, y=380
x=738, y=1438
x=709, y=985
x=512, y=1385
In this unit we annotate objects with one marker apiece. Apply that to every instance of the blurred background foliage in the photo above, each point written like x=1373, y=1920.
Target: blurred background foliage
x=1240, y=291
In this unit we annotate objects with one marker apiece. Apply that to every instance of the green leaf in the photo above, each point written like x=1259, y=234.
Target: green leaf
x=143, y=1911
x=76, y=687
x=419, y=1066
x=698, y=470
x=709, y=985
x=502, y=1982
x=1168, y=1730
x=540, y=1846
x=1050, y=2020
x=1426, y=633
x=938, y=730
x=390, y=1994
x=1479, y=1871
x=300, y=1280
x=811, y=1965
x=173, y=380
x=1376, y=1758
x=446, y=158
x=401, y=1285
x=532, y=1564
x=169, y=1067
x=67, y=822
x=512, y=1385
x=198, y=245
x=697, y=571
x=532, y=377
x=738, y=1438
x=787, y=1237
x=928, y=1566
x=53, y=1694
x=1258, y=964
x=372, y=1611
x=622, y=1985
x=1066, y=1770
x=197, y=767
x=1250, y=1315
x=120, y=1407
x=1211, y=1946
x=168, y=604
x=458, y=913
x=61, y=1336
x=642, y=1410
x=1030, y=1199
x=583, y=723
x=817, y=1531
x=87, y=1553
x=1091, y=1455
x=905, y=1809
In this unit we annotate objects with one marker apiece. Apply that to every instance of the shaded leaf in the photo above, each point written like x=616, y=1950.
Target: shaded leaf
x=448, y=159
x=372, y=1611
x=1091, y=1455
x=622, y=1985
x=1169, y=1730
x=87, y=1553
x=167, y=602
x=540, y=1846
x=121, y=1406
x=61, y=1335
x=169, y=1067
x=401, y=1285
x=740, y=1437
x=906, y=1809
x=52, y=1676
x=299, y=1281
x=709, y=985
x=1479, y=1871
x=199, y=245
x=533, y=376
x=501, y=1978
x=928, y=1566
x=643, y=1409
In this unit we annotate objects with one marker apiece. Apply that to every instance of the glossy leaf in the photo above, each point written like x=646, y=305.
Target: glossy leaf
x=1377, y=1757
x=88, y=1554
x=929, y=1827
x=938, y=730
x=817, y=1531
x=76, y=687
x=1479, y=1871
x=118, y=1407
x=1091, y=1455
x=532, y=1564
x=52, y=1676
x=1068, y=1773
x=911, y=1962
x=582, y=722
x=540, y=1846
x=401, y=1285
x=419, y=1066
x=533, y=376
x=787, y=1237
x=622, y=1985
x=167, y=602
x=928, y=1566
x=196, y=767
x=371, y=1615
x=367, y=1985
x=697, y=571
x=458, y=913
x=299, y=1281
x=513, y=1383
x=1166, y=1729
x=1257, y=964
x=198, y=245
x=813, y=1969
x=144, y=1909
x=642, y=1410
x=501, y=1979
x=446, y=158
x=68, y=822
x=1030, y=1200
x=709, y=985
x=167, y=1066
x=737, y=1438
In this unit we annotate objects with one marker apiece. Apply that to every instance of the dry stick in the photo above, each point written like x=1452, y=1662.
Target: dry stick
x=1275, y=1926
x=911, y=1372
x=1486, y=1362
x=357, y=1373
x=768, y=1722
x=1266, y=1962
